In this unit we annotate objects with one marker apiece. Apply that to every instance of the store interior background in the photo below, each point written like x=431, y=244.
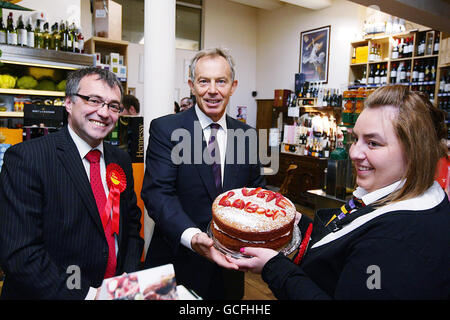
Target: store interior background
x=264, y=40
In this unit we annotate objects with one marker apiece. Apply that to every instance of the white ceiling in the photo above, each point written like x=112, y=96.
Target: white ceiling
x=275, y=4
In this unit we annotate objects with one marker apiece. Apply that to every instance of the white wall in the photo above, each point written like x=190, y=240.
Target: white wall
x=55, y=10
x=278, y=45
x=234, y=26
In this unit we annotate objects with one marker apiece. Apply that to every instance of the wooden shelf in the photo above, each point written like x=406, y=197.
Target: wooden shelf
x=33, y=92
x=11, y=114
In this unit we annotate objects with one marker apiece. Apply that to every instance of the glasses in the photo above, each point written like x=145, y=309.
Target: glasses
x=95, y=102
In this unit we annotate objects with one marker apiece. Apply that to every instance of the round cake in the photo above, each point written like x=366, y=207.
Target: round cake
x=252, y=218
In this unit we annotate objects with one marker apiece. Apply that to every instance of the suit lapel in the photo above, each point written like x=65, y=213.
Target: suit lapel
x=70, y=158
x=192, y=124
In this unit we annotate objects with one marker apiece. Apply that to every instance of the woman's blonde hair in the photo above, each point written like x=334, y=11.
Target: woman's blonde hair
x=421, y=129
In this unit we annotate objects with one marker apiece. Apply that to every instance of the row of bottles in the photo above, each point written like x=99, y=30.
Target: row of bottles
x=375, y=52
x=444, y=104
x=402, y=48
x=377, y=74
x=444, y=83
x=310, y=142
x=60, y=37
x=428, y=44
x=325, y=97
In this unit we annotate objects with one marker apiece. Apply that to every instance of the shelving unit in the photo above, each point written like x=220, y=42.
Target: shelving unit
x=20, y=61
x=360, y=70
x=105, y=46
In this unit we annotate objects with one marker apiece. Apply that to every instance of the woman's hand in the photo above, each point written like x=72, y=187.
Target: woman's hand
x=260, y=256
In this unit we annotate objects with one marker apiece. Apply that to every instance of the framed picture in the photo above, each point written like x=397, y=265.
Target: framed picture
x=314, y=54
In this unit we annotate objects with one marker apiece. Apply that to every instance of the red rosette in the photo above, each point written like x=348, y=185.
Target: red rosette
x=115, y=177
x=117, y=183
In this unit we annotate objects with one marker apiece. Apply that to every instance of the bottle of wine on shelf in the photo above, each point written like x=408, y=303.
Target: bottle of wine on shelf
x=55, y=37
x=393, y=76
x=38, y=38
x=30, y=33
x=436, y=43
x=421, y=73
x=21, y=33
x=2, y=32
x=395, y=50
x=11, y=32
x=421, y=46
x=415, y=73
x=46, y=36
x=371, y=78
x=376, y=79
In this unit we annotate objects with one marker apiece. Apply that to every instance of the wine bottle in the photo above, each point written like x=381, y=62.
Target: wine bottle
x=30, y=33
x=21, y=33
x=395, y=50
x=38, y=38
x=436, y=43
x=376, y=79
x=11, y=32
x=46, y=37
x=421, y=73
x=80, y=40
x=371, y=76
x=56, y=37
x=393, y=76
x=415, y=74
x=2, y=32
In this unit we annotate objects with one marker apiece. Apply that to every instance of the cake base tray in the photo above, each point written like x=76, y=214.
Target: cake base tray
x=286, y=250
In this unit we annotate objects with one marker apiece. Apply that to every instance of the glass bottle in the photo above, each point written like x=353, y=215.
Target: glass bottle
x=11, y=32
x=38, y=38
x=63, y=34
x=30, y=33
x=71, y=38
x=55, y=38
x=80, y=41
x=46, y=36
x=2, y=32
x=21, y=33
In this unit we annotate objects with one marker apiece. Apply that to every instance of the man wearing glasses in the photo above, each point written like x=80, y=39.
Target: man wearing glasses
x=57, y=240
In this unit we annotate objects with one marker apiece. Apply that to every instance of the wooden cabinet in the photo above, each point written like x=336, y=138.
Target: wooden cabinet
x=309, y=175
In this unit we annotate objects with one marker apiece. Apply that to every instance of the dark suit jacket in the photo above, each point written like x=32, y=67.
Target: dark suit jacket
x=49, y=220
x=179, y=196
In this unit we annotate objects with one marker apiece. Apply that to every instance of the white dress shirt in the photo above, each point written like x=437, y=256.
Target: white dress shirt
x=205, y=121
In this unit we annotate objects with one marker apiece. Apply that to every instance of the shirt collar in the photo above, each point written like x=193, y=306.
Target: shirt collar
x=205, y=121
x=370, y=197
x=82, y=146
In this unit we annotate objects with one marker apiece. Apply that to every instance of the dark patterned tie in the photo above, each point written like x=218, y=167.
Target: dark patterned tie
x=93, y=157
x=214, y=152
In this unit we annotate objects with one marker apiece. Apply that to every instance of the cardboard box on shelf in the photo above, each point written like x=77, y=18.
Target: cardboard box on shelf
x=362, y=54
x=108, y=21
x=114, y=59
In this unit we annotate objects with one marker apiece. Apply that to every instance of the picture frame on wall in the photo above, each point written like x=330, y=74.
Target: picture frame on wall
x=314, y=54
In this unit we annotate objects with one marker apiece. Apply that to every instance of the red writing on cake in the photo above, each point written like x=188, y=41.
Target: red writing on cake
x=253, y=207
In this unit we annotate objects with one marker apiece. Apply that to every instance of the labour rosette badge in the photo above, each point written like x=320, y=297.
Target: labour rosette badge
x=117, y=183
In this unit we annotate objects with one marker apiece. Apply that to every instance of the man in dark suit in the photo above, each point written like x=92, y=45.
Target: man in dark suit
x=180, y=183
x=56, y=239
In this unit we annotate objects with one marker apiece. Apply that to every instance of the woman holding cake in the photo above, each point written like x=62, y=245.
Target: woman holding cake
x=394, y=243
